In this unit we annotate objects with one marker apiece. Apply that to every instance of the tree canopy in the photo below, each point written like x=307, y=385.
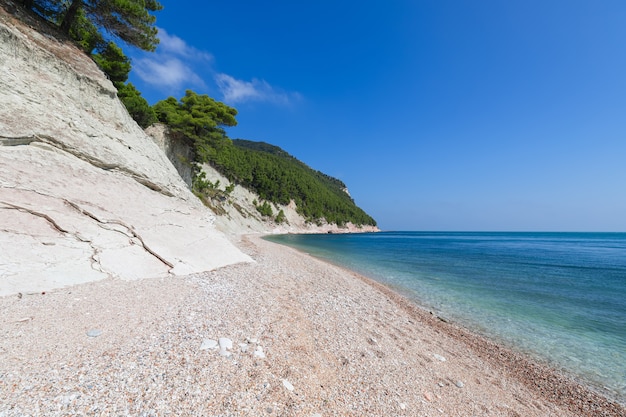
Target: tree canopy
x=199, y=118
x=114, y=63
x=131, y=21
x=272, y=173
x=137, y=106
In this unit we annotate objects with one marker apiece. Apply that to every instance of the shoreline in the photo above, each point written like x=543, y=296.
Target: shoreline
x=556, y=385
x=536, y=365
x=545, y=380
x=333, y=342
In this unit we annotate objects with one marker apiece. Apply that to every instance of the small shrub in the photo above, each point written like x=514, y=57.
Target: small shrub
x=280, y=217
x=265, y=209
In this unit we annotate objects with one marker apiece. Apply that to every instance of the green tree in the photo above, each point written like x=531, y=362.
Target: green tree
x=114, y=63
x=280, y=217
x=196, y=115
x=128, y=20
x=86, y=34
x=265, y=209
x=137, y=106
x=200, y=119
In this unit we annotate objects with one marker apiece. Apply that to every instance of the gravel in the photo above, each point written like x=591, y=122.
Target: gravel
x=332, y=343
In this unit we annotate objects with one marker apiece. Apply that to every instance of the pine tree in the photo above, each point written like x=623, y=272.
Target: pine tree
x=128, y=20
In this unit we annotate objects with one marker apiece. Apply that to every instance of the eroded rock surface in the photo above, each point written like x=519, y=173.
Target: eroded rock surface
x=85, y=194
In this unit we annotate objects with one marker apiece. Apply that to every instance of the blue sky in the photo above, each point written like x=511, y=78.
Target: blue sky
x=437, y=114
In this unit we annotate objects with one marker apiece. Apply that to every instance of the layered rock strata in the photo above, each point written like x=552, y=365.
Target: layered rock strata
x=85, y=194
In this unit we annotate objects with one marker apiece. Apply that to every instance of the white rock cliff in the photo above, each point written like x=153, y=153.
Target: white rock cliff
x=85, y=194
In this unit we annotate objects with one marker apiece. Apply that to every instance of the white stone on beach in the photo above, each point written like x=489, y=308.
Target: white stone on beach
x=439, y=357
x=459, y=384
x=225, y=343
x=244, y=347
x=287, y=385
x=94, y=332
x=259, y=352
x=208, y=344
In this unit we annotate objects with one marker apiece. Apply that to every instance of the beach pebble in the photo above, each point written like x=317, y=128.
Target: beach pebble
x=459, y=384
x=258, y=352
x=208, y=344
x=287, y=385
x=243, y=347
x=94, y=332
x=402, y=406
x=428, y=396
x=225, y=343
x=439, y=357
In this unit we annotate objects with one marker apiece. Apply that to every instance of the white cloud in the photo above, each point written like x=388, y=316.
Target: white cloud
x=171, y=66
x=172, y=44
x=169, y=73
x=175, y=66
x=238, y=91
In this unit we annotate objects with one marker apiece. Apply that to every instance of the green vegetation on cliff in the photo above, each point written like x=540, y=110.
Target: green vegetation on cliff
x=269, y=171
x=86, y=22
x=278, y=177
x=199, y=120
x=131, y=21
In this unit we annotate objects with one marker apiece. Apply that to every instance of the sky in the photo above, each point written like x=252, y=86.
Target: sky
x=443, y=115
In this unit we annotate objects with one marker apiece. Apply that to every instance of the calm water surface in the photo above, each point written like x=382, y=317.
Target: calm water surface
x=560, y=297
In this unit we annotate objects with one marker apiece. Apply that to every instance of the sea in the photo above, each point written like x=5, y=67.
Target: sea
x=558, y=297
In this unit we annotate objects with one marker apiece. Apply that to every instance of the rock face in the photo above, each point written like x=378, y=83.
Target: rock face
x=176, y=151
x=85, y=194
x=241, y=216
x=237, y=213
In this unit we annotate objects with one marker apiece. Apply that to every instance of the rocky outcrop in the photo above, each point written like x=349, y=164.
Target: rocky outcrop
x=85, y=194
x=236, y=211
x=53, y=93
x=178, y=152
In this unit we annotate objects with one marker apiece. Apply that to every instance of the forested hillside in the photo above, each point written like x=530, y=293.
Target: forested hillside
x=197, y=120
x=267, y=170
x=278, y=177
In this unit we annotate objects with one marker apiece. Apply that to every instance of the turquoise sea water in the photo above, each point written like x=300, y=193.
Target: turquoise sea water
x=560, y=297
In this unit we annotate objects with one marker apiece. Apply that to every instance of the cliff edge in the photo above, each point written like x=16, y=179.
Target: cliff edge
x=85, y=194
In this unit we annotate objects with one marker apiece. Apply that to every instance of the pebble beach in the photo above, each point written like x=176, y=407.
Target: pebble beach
x=285, y=335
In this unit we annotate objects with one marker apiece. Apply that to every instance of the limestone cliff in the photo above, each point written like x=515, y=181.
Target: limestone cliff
x=85, y=194
x=237, y=213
